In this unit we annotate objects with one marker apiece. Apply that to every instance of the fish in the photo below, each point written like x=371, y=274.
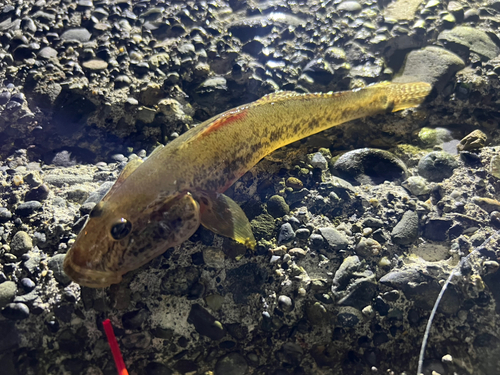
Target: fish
x=159, y=203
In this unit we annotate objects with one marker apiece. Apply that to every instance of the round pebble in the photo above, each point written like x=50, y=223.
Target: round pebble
x=437, y=165
x=21, y=243
x=16, y=311
x=277, y=206
x=8, y=291
x=27, y=208
x=5, y=215
x=27, y=284
x=285, y=304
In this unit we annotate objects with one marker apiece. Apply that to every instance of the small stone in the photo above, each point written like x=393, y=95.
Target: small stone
x=213, y=257
x=231, y=364
x=316, y=240
x=435, y=229
x=134, y=319
x=21, y=243
x=214, y=301
x=47, y=53
x=286, y=233
x=317, y=314
x=95, y=64
x=285, y=304
x=302, y=233
x=56, y=265
x=5, y=215
x=277, y=206
x=27, y=208
x=335, y=239
x=319, y=161
x=469, y=38
x=297, y=252
x=80, y=35
x=16, y=311
x=294, y=183
x=8, y=291
x=472, y=141
x=204, y=323
x=368, y=247
x=437, y=165
x=39, y=193
x=27, y=284
x=406, y=230
x=416, y=185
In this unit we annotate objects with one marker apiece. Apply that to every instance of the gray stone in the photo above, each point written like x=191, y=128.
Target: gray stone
x=16, y=311
x=80, y=35
x=5, y=215
x=437, y=165
x=21, y=243
x=47, y=53
x=431, y=64
x=8, y=291
x=285, y=304
x=231, y=364
x=462, y=39
x=319, y=161
x=335, y=239
x=204, y=323
x=56, y=265
x=286, y=233
x=406, y=230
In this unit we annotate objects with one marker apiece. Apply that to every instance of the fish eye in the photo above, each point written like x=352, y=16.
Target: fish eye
x=121, y=229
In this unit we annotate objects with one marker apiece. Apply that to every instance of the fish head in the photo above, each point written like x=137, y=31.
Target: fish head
x=113, y=243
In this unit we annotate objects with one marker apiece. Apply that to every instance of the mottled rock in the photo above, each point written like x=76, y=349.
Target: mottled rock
x=28, y=208
x=55, y=264
x=406, y=230
x=416, y=185
x=286, y=234
x=472, y=141
x=437, y=165
x=370, y=166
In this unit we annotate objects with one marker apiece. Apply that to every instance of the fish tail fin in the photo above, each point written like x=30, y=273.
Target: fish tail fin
x=406, y=95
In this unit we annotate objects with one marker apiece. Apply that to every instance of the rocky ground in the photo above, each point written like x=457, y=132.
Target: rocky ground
x=357, y=227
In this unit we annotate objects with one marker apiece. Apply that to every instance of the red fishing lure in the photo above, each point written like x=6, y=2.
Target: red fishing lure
x=117, y=355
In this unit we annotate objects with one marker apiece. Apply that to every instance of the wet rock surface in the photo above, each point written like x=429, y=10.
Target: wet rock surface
x=357, y=227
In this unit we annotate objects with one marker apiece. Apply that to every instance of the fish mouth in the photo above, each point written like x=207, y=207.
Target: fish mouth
x=87, y=277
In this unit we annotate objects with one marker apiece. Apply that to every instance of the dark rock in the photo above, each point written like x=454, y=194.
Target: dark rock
x=360, y=293
x=347, y=319
x=205, y=324
x=290, y=354
x=27, y=208
x=4, y=97
x=370, y=166
x=231, y=364
x=134, y=319
x=9, y=336
x=185, y=366
x=316, y=241
x=38, y=193
x=157, y=368
x=246, y=280
x=437, y=165
x=27, y=284
x=302, y=233
x=5, y=215
x=16, y=311
x=140, y=340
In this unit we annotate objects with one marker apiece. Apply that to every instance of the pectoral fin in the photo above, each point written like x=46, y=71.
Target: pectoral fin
x=223, y=216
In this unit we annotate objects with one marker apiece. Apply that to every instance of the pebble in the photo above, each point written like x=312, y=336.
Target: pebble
x=285, y=304
x=204, y=323
x=319, y=161
x=27, y=284
x=231, y=364
x=470, y=38
x=5, y=215
x=21, y=243
x=16, y=311
x=95, y=64
x=286, y=234
x=39, y=193
x=368, y=247
x=47, y=53
x=80, y=35
x=406, y=230
x=297, y=252
x=436, y=229
x=134, y=319
x=487, y=204
x=416, y=185
x=336, y=240
x=8, y=291
x=27, y=208
x=349, y=6
x=473, y=141
x=55, y=264
x=437, y=165
x=294, y=183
